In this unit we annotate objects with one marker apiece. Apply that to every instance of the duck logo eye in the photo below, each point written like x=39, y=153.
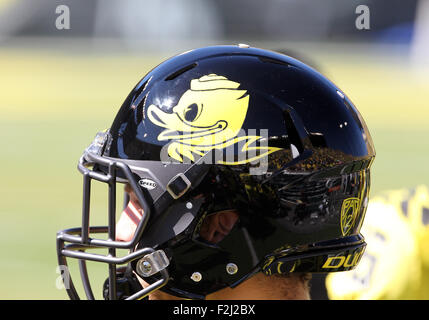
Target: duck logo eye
x=191, y=112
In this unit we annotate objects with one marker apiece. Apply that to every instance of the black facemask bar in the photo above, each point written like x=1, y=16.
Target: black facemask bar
x=72, y=243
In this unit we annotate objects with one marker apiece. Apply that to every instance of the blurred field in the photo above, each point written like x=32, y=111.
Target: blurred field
x=53, y=102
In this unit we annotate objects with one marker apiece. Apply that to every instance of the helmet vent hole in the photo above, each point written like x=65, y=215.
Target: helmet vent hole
x=180, y=71
x=275, y=61
x=293, y=134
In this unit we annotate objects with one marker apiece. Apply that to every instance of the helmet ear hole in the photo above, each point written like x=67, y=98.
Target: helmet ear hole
x=216, y=226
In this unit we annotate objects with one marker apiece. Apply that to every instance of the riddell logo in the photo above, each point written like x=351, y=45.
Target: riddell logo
x=147, y=183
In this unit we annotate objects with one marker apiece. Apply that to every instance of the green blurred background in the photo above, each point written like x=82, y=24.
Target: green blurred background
x=59, y=87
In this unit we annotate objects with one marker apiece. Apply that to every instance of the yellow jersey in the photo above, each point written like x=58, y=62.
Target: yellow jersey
x=395, y=264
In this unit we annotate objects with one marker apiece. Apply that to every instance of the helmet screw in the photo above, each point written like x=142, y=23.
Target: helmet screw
x=144, y=267
x=189, y=205
x=231, y=268
x=196, y=276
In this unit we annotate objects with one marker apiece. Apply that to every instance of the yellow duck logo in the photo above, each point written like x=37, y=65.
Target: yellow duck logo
x=208, y=116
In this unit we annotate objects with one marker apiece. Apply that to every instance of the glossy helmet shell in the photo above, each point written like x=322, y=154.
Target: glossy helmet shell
x=302, y=212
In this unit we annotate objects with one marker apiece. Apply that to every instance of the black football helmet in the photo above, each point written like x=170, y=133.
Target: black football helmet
x=243, y=160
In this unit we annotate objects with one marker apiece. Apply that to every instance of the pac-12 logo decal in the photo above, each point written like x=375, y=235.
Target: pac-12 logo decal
x=208, y=116
x=349, y=212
